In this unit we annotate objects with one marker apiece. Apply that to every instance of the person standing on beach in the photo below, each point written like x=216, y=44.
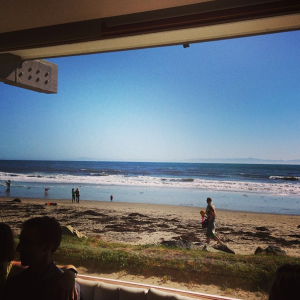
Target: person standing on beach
x=211, y=227
x=8, y=182
x=77, y=193
x=111, y=198
x=73, y=195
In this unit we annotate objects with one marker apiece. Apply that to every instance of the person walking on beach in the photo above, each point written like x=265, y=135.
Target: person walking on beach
x=8, y=182
x=73, y=195
x=211, y=227
x=77, y=193
x=111, y=198
x=46, y=191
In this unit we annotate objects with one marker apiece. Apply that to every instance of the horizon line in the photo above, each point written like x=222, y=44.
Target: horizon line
x=248, y=160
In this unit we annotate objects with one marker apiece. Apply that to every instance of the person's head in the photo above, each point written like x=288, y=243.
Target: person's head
x=39, y=239
x=286, y=284
x=202, y=213
x=7, y=244
x=208, y=200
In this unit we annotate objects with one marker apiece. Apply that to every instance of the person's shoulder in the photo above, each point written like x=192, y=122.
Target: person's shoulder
x=54, y=268
x=13, y=284
x=56, y=271
x=18, y=272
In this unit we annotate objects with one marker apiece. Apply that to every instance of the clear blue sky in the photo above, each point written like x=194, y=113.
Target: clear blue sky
x=235, y=98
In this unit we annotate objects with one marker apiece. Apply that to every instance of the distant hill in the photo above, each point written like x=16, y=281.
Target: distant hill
x=249, y=160
x=84, y=159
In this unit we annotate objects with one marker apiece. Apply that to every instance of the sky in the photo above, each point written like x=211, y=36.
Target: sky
x=234, y=98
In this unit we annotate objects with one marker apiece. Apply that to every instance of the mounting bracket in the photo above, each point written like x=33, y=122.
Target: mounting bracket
x=36, y=75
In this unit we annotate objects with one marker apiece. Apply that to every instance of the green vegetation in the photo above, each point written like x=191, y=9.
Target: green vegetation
x=250, y=272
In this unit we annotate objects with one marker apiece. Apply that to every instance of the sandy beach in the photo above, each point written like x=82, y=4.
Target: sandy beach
x=135, y=223
x=151, y=224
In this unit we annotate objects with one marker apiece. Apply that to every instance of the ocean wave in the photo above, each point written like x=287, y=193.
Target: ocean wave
x=278, y=188
x=99, y=174
x=288, y=178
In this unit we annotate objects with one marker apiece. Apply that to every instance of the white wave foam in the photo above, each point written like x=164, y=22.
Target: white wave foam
x=292, y=178
x=279, y=188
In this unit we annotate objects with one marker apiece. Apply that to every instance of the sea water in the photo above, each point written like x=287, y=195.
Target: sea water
x=263, y=188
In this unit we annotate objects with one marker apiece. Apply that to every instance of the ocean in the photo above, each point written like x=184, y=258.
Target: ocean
x=263, y=188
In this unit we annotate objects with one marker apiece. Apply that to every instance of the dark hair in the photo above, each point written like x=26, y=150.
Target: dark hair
x=209, y=199
x=286, y=284
x=7, y=243
x=48, y=228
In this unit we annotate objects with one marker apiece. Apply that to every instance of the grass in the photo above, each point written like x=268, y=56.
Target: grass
x=249, y=272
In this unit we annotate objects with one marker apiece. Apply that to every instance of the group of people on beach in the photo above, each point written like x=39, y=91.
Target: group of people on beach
x=75, y=195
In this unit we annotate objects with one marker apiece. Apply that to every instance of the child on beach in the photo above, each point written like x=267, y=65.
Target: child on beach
x=204, y=220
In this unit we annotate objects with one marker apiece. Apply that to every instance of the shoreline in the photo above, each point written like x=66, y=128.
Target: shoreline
x=96, y=202
x=141, y=223
x=186, y=197
x=89, y=202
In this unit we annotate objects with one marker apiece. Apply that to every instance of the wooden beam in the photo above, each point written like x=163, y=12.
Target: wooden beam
x=141, y=23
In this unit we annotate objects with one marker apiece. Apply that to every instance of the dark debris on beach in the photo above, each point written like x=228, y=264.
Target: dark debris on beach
x=103, y=222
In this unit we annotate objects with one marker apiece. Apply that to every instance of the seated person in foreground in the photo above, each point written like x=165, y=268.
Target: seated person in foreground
x=7, y=253
x=286, y=284
x=39, y=239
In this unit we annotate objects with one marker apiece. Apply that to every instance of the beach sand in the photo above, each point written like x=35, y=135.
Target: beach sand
x=134, y=223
